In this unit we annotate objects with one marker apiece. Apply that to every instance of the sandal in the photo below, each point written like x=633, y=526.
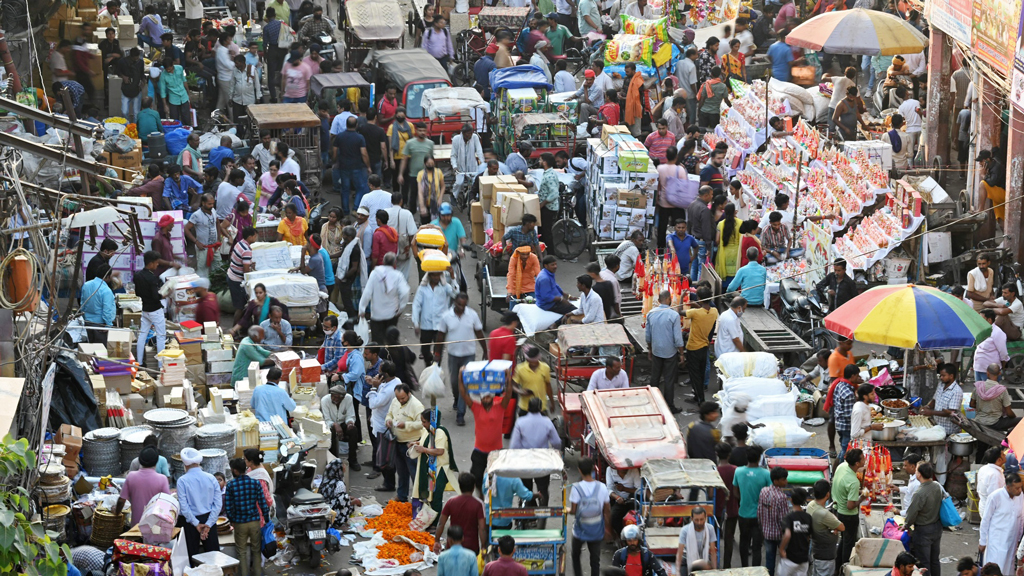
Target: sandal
x=833, y=454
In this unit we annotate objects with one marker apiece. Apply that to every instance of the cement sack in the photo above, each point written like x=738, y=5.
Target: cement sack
x=293, y=289
x=754, y=387
x=739, y=364
x=210, y=140
x=800, y=99
x=778, y=435
x=533, y=319
x=773, y=405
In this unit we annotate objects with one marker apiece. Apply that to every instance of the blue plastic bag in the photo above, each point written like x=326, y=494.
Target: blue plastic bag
x=269, y=548
x=176, y=141
x=948, y=513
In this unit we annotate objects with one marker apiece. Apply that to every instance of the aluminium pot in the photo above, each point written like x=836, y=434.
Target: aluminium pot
x=961, y=444
x=888, y=431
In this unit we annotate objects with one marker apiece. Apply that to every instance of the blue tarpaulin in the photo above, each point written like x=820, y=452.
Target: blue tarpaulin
x=524, y=76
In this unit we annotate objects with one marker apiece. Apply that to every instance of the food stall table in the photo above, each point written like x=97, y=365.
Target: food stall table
x=934, y=447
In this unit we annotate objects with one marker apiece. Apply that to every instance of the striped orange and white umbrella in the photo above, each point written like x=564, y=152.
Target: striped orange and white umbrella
x=858, y=31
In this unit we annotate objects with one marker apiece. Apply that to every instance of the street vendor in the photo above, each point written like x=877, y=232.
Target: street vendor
x=837, y=286
x=947, y=401
x=994, y=183
x=549, y=294
x=628, y=252
x=980, y=282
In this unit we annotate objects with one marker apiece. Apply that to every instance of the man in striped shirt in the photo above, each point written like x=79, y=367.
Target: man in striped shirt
x=658, y=142
x=241, y=262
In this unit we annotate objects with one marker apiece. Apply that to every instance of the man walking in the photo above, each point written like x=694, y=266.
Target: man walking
x=385, y=295
x=461, y=325
x=1002, y=525
x=923, y=515
x=466, y=512
x=749, y=481
x=505, y=565
x=591, y=508
x=244, y=502
x=702, y=318
x=664, y=335
x=825, y=528
x=773, y=507
x=488, y=423
x=147, y=286
x=794, y=550
x=382, y=393
x=456, y=560
x=534, y=430
x=846, y=495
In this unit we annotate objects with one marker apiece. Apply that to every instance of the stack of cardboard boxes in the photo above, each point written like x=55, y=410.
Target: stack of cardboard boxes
x=503, y=201
x=70, y=436
x=623, y=184
x=218, y=356
x=128, y=165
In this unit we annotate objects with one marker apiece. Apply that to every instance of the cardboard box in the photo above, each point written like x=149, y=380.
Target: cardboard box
x=479, y=236
x=119, y=343
x=875, y=552
x=634, y=161
x=218, y=355
x=476, y=212
x=502, y=189
x=86, y=14
x=487, y=188
x=631, y=200
x=120, y=383
x=607, y=131
x=135, y=402
x=516, y=206
x=131, y=159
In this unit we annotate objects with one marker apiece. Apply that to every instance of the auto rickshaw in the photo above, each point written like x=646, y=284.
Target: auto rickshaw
x=343, y=82
x=541, y=550
x=413, y=72
x=371, y=25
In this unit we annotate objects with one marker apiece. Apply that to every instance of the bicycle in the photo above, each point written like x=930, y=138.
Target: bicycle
x=568, y=237
x=579, y=59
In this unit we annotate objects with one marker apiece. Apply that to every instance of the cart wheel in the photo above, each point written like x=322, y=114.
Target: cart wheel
x=1014, y=372
x=568, y=239
x=964, y=203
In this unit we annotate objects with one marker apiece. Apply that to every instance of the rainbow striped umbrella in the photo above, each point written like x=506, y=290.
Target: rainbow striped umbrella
x=906, y=316
x=858, y=31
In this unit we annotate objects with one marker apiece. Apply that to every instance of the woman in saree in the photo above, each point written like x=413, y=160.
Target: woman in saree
x=257, y=310
x=435, y=465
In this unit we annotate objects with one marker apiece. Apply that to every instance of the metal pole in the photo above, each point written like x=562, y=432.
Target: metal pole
x=796, y=200
x=975, y=134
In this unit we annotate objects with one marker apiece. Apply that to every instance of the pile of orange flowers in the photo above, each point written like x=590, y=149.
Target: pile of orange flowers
x=394, y=522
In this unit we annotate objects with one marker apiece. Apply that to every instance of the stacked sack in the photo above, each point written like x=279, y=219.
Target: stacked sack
x=639, y=41
x=753, y=392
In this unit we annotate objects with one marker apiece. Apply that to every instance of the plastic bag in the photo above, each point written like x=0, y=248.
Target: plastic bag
x=176, y=140
x=948, y=513
x=119, y=144
x=932, y=434
x=424, y=518
x=642, y=27
x=755, y=387
x=179, y=555
x=629, y=48
x=363, y=329
x=269, y=541
x=533, y=319
x=432, y=381
x=740, y=364
x=893, y=532
x=204, y=570
x=780, y=436
x=371, y=510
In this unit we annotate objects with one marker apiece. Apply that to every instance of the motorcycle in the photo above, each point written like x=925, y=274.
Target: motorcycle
x=307, y=517
x=805, y=314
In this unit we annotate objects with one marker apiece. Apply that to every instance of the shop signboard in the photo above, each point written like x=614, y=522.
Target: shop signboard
x=996, y=32
x=1017, y=77
x=952, y=17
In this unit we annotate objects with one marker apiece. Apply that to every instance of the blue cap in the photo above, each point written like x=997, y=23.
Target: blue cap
x=446, y=209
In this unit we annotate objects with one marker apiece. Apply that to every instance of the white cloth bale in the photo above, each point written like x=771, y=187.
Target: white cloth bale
x=740, y=364
x=778, y=435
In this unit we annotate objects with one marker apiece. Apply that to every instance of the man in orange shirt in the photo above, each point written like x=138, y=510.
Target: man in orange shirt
x=840, y=358
x=523, y=268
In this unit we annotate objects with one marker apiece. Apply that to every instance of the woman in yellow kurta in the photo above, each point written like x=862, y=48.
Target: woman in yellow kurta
x=435, y=465
x=292, y=228
x=727, y=261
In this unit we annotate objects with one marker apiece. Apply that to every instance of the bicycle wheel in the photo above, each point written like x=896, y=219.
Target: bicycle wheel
x=568, y=239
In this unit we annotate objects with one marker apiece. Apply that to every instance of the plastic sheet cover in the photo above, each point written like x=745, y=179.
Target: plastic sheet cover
x=452, y=101
x=663, y=473
x=293, y=289
x=522, y=76
x=525, y=463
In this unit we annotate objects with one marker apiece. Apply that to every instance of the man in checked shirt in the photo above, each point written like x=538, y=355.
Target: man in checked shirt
x=243, y=502
x=773, y=505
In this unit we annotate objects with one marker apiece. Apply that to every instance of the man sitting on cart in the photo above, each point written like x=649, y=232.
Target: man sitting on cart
x=633, y=555
x=698, y=542
x=550, y=296
x=523, y=269
x=524, y=234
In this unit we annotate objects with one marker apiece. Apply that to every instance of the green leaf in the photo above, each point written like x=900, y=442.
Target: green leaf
x=6, y=517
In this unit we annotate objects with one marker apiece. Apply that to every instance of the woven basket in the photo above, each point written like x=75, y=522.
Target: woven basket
x=106, y=527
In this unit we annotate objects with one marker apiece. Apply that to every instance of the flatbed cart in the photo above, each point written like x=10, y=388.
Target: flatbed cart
x=298, y=127
x=574, y=369
x=542, y=550
x=627, y=427
x=661, y=497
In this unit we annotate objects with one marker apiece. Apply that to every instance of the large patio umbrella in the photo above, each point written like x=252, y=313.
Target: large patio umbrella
x=905, y=316
x=858, y=31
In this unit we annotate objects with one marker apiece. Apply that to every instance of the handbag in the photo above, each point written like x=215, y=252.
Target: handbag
x=385, y=456
x=680, y=192
x=948, y=513
x=269, y=541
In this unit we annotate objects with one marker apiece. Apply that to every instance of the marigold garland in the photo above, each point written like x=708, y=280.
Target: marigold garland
x=394, y=522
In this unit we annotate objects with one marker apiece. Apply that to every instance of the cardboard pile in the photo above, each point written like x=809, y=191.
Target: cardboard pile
x=128, y=165
x=70, y=436
x=622, y=184
x=219, y=359
x=287, y=362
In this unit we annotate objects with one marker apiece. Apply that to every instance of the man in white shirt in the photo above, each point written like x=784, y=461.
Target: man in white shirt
x=990, y=476
x=602, y=81
x=539, y=60
x=918, y=66
x=374, y=200
x=623, y=488
x=1009, y=311
x=686, y=72
x=467, y=153
x=288, y=164
x=460, y=325
x=628, y=252
x=612, y=377
x=912, y=112
x=640, y=9
x=590, y=306
x=564, y=81
x=225, y=71
x=404, y=222
x=730, y=332
x=565, y=9
x=608, y=274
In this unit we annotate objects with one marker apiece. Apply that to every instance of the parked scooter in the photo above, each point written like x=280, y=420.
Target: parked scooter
x=805, y=315
x=307, y=516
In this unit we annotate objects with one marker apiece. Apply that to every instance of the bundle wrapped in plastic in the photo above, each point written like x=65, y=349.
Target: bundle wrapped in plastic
x=754, y=387
x=158, y=519
x=774, y=405
x=629, y=48
x=432, y=260
x=757, y=364
x=642, y=27
x=780, y=434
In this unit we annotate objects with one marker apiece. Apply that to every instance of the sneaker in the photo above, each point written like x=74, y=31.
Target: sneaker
x=354, y=466
x=373, y=475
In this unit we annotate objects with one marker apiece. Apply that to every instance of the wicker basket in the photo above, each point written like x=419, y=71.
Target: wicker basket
x=106, y=527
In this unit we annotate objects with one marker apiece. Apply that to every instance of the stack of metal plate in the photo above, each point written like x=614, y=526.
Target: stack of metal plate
x=132, y=438
x=218, y=436
x=101, y=452
x=175, y=430
x=214, y=460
